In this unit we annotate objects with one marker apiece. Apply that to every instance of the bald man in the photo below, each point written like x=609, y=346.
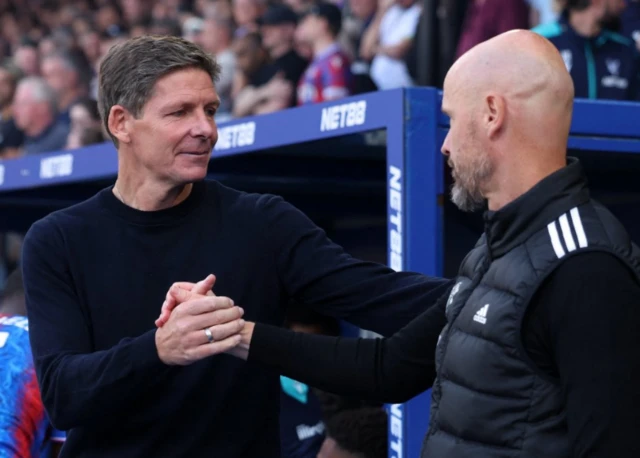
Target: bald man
x=535, y=349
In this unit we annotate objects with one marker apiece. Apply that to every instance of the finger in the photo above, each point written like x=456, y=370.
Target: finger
x=205, y=286
x=211, y=319
x=168, y=305
x=219, y=332
x=210, y=349
x=177, y=294
x=181, y=295
x=205, y=304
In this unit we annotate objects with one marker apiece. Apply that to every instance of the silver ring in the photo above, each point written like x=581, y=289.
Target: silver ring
x=207, y=332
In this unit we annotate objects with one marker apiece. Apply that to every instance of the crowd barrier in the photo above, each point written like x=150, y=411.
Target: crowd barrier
x=329, y=157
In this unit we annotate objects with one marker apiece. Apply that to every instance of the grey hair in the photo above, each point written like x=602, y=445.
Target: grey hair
x=40, y=91
x=130, y=70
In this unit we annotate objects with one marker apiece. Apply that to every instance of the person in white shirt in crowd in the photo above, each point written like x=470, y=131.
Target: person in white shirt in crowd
x=388, y=39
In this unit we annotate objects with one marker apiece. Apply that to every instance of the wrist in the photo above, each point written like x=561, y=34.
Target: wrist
x=246, y=335
x=242, y=349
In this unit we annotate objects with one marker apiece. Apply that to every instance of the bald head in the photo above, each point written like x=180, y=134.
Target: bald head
x=516, y=98
x=523, y=68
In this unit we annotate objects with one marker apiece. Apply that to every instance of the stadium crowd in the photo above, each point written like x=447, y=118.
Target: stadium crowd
x=276, y=55
x=273, y=56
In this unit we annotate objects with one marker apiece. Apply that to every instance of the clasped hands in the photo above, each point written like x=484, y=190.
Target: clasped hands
x=194, y=323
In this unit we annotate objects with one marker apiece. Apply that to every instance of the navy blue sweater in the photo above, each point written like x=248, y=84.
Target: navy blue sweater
x=96, y=275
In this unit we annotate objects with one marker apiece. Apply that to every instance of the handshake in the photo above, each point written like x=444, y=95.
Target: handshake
x=194, y=323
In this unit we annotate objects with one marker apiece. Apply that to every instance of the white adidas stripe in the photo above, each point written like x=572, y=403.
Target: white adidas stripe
x=555, y=239
x=566, y=233
x=577, y=225
x=567, y=236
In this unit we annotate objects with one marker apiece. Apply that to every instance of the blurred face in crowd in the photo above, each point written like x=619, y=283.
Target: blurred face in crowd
x=6, y=88
x=90, y=44
x=133, y=10
x=46, y=46
x=277, y=35
x=173, y=136
x=81, y=26
x=249, y=56
x=26, y=57
x=59, y=76
x=10, y=28
x=246, y=12
x=471, y=165
x=310, y=29
x=106, y=17
x=214, y=37
x=363, y=9
x=27, y=111
x=81, y=118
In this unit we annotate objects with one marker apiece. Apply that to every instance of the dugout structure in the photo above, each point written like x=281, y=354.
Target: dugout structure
x=368, y=169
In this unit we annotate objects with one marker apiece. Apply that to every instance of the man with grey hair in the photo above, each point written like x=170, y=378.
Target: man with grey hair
x=69, y=74
x=97, y=274
x=35, y=111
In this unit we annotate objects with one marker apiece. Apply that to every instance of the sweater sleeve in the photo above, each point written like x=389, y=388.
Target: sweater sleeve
x=79, y=386
x=393, y=369
x=584, y=321
x=318, y=273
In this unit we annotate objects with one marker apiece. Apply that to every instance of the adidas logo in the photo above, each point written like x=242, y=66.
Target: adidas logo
x=481, y=315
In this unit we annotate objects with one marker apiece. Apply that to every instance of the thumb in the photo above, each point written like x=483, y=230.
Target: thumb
x=182, y=295
x=204, y=286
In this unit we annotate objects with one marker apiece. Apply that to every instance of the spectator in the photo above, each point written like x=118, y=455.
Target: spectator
x=215, y=38
x=256, y=75
x=631, y=21
x=86, y=128
x=69, y=74
x=11, y=140
x=542, y=12
x=602, y=63
x=25, y=431
x=165, y=26
x=359, y=433
x=363, y=12
x=278, y=27
x=246, y=14
x=90, y=44
x=388, y=40
x=283, y=72
x=329, y=75
x=192, y=28
x=10, y=74
x=27, y=59
x=35, y=109
x=135, y=11
x=486, y=19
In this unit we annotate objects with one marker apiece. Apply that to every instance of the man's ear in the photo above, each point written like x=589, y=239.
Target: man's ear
x=119, y=123
x=495, y=108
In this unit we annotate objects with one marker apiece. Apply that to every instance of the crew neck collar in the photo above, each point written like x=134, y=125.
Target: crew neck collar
x=153, y=218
